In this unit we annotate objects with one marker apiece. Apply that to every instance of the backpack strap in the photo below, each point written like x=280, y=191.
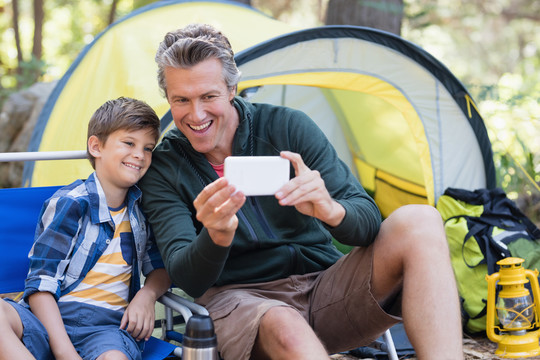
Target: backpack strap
x=481, y=231
x=491, y=250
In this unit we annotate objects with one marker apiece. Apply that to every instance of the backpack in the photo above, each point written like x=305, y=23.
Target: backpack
x=483, y=227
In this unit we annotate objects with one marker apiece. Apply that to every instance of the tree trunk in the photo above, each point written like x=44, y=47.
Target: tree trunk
x=39, y=14
x=15, y=5
x=380, y=14
x=112, y=12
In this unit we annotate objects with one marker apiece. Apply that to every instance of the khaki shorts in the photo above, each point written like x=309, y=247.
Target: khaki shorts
x=337, y=303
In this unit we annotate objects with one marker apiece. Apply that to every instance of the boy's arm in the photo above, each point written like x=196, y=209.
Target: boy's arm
x=139, y=316
x=56, y=234
x=44, y=306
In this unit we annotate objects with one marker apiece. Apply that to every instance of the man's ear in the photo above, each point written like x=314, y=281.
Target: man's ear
x=94, y=146
x=232, y=93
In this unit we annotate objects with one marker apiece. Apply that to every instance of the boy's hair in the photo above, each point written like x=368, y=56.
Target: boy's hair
x=186, y=47
x=121, y=114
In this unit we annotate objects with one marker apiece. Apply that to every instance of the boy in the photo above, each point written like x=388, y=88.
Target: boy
x=82, y=297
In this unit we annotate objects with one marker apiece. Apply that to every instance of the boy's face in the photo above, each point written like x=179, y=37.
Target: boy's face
x=124, y=157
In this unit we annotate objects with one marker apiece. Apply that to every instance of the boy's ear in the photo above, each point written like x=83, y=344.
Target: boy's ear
x=94, y=146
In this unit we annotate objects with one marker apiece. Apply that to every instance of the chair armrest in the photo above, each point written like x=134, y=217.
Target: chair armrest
x=183, y=306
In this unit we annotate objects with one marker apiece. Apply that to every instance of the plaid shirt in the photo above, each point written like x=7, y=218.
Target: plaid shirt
x=74, y=229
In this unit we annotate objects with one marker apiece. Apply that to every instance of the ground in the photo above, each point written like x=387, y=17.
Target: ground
x=478, y=348
x=474, y=348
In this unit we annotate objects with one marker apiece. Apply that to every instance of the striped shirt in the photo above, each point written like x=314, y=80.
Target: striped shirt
x=107, y=284
x=74, y=231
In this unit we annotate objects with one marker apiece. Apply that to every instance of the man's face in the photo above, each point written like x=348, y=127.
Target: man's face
x=201, y=108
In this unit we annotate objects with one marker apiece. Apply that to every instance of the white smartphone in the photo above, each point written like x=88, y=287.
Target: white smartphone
x=257, y=175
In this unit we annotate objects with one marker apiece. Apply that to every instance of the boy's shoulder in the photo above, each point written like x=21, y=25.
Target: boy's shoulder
x=67, y=203
x=76, y=189
x=80, y=198
x=82, y=192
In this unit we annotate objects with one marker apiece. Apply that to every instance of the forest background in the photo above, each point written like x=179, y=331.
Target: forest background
x=491, y=46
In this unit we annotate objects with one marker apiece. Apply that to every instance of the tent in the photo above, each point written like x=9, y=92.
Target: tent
x=120, y=62
x=397, y=116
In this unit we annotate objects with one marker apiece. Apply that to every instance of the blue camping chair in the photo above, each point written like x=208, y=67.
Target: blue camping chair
x=19, y=211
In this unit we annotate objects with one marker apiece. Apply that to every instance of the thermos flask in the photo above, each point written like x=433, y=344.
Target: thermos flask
x=200, y=342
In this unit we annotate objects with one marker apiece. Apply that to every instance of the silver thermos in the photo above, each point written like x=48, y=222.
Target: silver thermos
x=200, y=342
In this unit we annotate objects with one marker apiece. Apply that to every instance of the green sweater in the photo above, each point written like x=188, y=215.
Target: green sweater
x=271, y=241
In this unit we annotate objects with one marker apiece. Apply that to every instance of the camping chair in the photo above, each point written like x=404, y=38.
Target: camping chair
x=19, y=211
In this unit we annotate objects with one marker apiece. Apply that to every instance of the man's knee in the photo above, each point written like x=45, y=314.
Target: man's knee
x=281, y=317
x=414, y=223
x=283, y=324
x=285, y=334
x=415, y=214
x=411, y=231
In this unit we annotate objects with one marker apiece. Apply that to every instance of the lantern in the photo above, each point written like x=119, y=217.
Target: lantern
x=518, y=333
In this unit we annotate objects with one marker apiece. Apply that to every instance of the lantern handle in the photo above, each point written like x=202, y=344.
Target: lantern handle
x=490, y=318
x=535, y=288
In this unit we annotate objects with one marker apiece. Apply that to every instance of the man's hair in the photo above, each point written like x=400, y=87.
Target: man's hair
x=121, y=114
x=186, y=47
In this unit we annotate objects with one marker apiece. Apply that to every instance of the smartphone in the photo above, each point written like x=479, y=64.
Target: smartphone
x=257, y=175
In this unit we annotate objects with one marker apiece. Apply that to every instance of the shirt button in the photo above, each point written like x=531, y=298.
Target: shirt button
x=108, y=241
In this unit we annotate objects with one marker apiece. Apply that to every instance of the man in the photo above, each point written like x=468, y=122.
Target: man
x=265, y=267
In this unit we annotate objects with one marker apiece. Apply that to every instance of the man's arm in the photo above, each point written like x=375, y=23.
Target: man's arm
x=353, y=220
x=138, y=319
x=191, y=256
x=44, y=306
x=318, y=161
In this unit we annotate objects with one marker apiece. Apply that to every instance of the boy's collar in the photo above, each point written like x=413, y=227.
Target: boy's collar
x=99, y=209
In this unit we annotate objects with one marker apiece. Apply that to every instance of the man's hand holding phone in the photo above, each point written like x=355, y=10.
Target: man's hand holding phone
x=307, y=192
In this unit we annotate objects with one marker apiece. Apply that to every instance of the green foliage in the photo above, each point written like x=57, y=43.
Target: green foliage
x=512, y=118
x=29, y=72
x=494, y=48
x=26, y=75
